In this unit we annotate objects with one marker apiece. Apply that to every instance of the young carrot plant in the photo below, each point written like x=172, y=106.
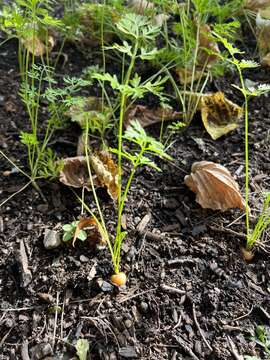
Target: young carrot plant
x=247, y=92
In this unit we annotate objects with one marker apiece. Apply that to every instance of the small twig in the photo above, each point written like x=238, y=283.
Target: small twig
x=178, y=323
x=186, y=348
x=234, y=350
x=199, y=329
x=228, y=231
x=172, y=289
x=55, y=319
x=243, y=316
x=24, y=351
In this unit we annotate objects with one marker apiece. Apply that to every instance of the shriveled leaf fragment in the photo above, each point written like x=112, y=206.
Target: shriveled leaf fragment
x=107, y=172
x=208, y=48
x=75, y=173
x=93, y=232
x=219, y=115
x=82, y=348
x=36, y=46
x=263, y=35
x=142, y=6
x=256, y=5
x=147, y=117
x=84, y=24
x=214, y=186
x=92, y=110
x=186, y=76
x=104, y=173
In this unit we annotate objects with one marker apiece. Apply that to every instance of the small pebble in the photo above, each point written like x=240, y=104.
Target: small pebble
x=144, y=306
x=84, y=259
x=51, y=239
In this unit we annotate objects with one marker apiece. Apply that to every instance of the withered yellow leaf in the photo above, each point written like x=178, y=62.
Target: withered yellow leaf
x=219, y=115
x=214, y=186
x=147, y=117
x=93, y=231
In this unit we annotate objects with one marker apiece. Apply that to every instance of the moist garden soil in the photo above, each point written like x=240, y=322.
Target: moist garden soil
x=190, y=294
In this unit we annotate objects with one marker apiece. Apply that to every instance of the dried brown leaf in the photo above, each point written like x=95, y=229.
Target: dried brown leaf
x=75, y=173
x=219, y=115
x=147, y=117
x=263, y=35
x=256, y=5
x=214, y=186
x=36, y=46
x=107, y=172
x=93, y=231
x=186, y=76
x=208, y=48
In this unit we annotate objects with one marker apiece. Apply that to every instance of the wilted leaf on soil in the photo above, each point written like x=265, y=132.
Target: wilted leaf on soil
x=141, y=6
x=85, y=24
x=89, y=109
x=36, y=46
x=219, y=115
x=144, y=7
x=208, y=48
x=255, y=5
x=147, y=117
x=214, y=186
x=93, y=231
x=107, y=172
x=75, y=173
x=186, y=76
x=263, y=35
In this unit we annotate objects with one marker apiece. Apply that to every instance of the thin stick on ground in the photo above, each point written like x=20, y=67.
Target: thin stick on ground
x=199, y=329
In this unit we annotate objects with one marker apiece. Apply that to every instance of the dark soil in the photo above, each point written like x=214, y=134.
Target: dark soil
x=190, y=294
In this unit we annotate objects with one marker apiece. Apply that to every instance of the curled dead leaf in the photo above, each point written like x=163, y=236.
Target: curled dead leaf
x=186, y=76
x=147, y=117
x=262, y=35
x=219, y=115
x=214, y=186
x=89, y=109
x=93, y=231
x=141, y=6
x=256, y=5
x=208, y=48
x=75, y=173
x=36, y=46
x=107, y=172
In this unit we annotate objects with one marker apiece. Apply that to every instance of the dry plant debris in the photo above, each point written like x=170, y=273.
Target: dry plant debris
x=75, y=173
x=36, y=46
x=262, y=35
x=186, y=76
x=208, y=48
x=214, y=186
x=219, y=115
x=256, y=5
x=92, y=229
x=147, y=117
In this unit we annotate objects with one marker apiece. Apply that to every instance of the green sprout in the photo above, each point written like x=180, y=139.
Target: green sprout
x=69, y=232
